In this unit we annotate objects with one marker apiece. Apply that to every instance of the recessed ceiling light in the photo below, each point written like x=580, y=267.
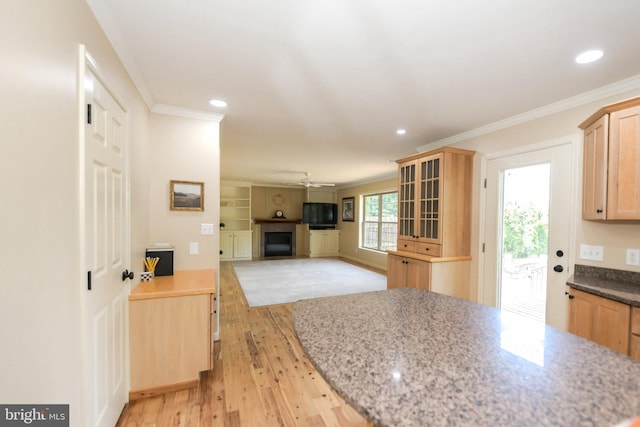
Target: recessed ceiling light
x=589, y=56
x=218, y=103
x=401, y=131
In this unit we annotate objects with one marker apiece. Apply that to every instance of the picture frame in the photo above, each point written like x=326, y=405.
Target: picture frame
x=348, y=208
x=186, y=196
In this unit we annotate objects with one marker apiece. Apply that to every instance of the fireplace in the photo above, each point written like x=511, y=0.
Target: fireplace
x=278, y=243
x=277, y=237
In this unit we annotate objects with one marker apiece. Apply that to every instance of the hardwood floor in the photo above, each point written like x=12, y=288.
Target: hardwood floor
x=261, y=376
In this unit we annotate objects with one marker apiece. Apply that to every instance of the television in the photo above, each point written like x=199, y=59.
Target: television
x=319, y=214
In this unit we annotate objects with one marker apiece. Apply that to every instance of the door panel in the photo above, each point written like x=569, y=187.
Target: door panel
x=107, y=254
x=561, y=194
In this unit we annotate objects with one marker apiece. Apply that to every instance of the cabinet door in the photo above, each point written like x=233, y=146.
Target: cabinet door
x=332, y=242
x=601, y=320
x=418, y=274
x=594, y=182
x=623, y=197
x=396, y=272
x=429, y=215
x=242, y=244
x=407, y=199
x=226, y=245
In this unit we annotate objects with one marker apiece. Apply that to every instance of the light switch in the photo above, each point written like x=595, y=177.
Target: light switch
x=206, y=229
x=193, y=248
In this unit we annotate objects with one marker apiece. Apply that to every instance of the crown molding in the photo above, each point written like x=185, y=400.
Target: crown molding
x=188, y=113
x=613, y=89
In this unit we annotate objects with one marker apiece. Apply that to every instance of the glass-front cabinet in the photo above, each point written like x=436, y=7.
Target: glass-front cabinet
x=434, y=202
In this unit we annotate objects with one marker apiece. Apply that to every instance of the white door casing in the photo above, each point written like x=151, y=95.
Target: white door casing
x=561, y=155
x=105, y=186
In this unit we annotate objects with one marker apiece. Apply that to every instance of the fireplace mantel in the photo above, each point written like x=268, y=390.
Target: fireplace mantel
x=277, y=221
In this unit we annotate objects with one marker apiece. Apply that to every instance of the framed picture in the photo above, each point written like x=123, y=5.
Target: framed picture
x=186, y=196
x=348, y=208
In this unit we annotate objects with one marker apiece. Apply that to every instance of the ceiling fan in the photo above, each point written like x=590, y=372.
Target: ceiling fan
x=307, y=182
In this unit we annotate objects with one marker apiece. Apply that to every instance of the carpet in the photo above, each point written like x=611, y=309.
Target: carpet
x=289, y=280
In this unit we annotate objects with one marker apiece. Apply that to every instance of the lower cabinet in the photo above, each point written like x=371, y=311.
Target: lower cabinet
x=634, y=338
x=235, y=244
x=170, y=340
x=445, y=276
x=600, y=320
x=403, y=272
x=324, y=243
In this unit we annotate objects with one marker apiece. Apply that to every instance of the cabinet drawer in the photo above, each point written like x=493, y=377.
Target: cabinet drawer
x=635, y=320
x=406, y=245
x=429, y=249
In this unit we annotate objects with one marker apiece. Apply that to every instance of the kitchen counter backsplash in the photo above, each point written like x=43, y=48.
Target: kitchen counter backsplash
x=608, y=274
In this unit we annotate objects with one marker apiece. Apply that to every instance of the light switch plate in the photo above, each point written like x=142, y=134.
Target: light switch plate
x=206, y=229
x=593, y=253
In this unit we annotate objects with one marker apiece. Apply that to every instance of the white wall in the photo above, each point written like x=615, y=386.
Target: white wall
x=185, y=149
x=41, y=277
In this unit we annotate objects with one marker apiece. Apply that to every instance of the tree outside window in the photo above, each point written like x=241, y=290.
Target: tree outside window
x=380, y=221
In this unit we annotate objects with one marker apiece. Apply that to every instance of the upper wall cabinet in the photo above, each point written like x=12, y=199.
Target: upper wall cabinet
x=611, y=175
x=434, y=203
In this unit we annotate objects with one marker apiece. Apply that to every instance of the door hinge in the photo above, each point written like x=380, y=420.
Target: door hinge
x=483, y=246
x=88, y=114
x=485, y=183
x=89, y=280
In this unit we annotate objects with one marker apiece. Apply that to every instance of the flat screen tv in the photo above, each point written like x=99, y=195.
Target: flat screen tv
x=319, y=213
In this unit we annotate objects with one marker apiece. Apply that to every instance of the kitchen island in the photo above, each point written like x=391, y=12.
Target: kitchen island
x=407, y=357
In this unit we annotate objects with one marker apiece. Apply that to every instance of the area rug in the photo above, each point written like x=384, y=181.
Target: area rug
x=289, y=280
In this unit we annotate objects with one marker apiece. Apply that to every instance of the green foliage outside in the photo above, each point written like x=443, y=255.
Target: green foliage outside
x=525, y=231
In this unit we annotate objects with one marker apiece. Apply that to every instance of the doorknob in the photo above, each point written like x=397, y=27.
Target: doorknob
x=127, y=275
x=559, y=253
x=558, y=268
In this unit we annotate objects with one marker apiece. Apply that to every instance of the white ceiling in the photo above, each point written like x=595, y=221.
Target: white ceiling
x=321, y=86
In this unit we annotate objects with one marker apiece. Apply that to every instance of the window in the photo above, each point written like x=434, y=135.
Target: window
x=380, y=221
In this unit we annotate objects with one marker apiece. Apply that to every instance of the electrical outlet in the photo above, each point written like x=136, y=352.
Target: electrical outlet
x=193, y=248
x=633, y=256
x=593, y=253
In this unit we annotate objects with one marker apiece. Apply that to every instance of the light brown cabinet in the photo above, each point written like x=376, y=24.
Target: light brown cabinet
x=170, y=332
x=434, y=222
x=434, y=201
x=404, y=272
x=600, y=319
x=634, y=339
x=611, y=167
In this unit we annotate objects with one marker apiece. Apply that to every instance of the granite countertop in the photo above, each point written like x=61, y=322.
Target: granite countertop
x=618, y=285
x=407, y=357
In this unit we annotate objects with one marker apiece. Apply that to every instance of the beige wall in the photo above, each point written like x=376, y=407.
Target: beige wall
x=266, y=200
x=614, y=237
x=42, y=279
x=349, y=233
x=184, y=149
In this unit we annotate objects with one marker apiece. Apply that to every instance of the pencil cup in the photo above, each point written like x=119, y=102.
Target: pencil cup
x=145, y=276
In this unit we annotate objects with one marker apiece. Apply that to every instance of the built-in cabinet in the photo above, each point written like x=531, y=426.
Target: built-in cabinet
x=235, y=245
x=611, y=174
x=323, y=243
x=434, y=222
x=634, y=339
x=600, y=320
x=235, y=221
x=171, y=321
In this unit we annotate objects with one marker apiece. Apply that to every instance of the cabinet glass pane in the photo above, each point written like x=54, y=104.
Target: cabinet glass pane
x=429, y=198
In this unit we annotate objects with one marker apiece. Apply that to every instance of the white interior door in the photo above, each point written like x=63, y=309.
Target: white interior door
x=107, y=254
x=557, y=161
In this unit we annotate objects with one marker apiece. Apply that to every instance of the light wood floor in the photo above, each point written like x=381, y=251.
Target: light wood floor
x=261, y=376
